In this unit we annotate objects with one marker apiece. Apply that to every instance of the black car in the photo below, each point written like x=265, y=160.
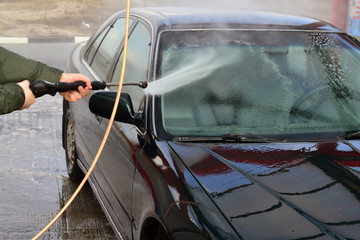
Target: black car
x=247, y=130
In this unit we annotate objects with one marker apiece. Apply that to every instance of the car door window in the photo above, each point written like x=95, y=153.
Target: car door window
x=136, y=63
x=104, y=56
x=95, y=45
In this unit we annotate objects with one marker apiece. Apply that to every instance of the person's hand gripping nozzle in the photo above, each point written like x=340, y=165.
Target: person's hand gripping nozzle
x=42, y=87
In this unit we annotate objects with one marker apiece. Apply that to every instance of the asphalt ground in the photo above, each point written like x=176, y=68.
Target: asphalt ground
x=34, y=181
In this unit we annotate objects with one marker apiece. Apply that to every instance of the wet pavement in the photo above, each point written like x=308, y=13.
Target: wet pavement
x=34, y=182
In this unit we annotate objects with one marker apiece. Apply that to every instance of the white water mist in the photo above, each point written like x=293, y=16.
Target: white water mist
x=199, y=67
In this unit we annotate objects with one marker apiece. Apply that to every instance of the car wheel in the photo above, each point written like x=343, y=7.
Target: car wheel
x=73, y=168
x=152, y=230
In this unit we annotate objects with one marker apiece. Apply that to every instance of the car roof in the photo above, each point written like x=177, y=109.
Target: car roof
x=195, y=18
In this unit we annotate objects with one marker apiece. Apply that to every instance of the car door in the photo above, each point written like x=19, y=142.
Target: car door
x=100, y=58
x=119, y=156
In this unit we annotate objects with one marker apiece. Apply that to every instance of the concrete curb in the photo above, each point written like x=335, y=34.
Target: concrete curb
x=25, y=40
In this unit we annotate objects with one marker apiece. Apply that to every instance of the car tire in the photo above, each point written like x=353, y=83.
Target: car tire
x=73, y=168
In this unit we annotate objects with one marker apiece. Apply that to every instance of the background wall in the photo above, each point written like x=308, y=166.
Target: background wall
x=67, y=18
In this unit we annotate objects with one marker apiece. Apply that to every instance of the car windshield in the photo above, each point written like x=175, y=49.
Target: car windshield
x=288, y=84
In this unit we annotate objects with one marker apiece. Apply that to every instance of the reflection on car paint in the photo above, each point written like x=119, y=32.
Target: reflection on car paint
x=305, y=186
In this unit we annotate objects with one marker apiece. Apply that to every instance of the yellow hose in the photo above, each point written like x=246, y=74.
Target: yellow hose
x=107, y=130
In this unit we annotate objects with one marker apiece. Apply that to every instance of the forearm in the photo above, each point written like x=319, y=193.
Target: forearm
x=15, y=68
x=11, y=98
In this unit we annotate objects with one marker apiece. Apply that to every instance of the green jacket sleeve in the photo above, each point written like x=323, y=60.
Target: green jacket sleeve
x=15, y=68
x=11, y=98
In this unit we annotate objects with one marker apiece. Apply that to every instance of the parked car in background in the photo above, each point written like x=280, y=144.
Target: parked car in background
x=247, y=130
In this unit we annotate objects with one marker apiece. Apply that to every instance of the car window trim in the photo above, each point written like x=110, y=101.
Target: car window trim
x=119, y=50
x=144, y=108
x=92, y=41
x=97, y=49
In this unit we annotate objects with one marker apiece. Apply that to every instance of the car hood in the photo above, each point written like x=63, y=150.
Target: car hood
x=281, y=190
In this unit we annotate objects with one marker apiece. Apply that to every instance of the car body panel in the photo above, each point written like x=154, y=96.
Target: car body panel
x=177, y=197
x=287, y=190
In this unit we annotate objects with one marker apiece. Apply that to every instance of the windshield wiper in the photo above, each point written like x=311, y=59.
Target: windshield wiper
x=198, y=139
x=248, y=137
x=354, y=135
x=229, y=138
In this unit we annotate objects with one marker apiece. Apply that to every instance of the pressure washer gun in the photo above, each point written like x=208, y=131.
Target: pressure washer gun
x=42, y=87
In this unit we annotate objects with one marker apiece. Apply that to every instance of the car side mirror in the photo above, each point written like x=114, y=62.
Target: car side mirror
x=102, y=103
